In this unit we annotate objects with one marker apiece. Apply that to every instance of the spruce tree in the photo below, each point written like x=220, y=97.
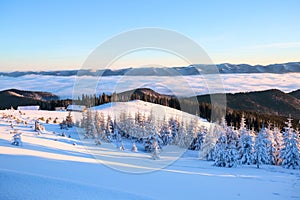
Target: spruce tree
x=245, y=144
x=277, y=144
x=290, y=151
x=220, y=150
x=261, y=155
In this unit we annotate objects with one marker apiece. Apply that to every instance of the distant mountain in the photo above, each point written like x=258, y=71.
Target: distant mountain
x=273, y=102
x=225, y=68
x=295, y=94
x=14, y=98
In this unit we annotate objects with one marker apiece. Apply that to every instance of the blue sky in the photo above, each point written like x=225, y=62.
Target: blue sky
x=48, y=35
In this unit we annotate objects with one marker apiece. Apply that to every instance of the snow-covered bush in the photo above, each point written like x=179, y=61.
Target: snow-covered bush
x=17, y=140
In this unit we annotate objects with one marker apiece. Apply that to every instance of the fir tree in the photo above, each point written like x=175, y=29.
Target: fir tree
x=210, y=138
x=290, y=151
x=271, y=146
x=165, y=133
x=88, y=125
x=277, y=144
x=245, y=144
x=220, y=150
x=261, y=155
x=231, y=153
x=181, y=134
x=99, y=125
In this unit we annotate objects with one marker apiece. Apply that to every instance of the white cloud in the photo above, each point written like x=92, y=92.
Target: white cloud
x=276, y=45
x=187, y=85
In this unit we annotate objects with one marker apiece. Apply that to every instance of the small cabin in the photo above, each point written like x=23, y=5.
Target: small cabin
x=60, y=108
x=28, y=107
x=77, y=108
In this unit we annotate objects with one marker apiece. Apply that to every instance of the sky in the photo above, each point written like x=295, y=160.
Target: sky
x=61, y=34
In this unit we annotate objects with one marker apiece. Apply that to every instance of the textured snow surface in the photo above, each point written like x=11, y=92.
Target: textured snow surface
x=185, y=85
x=49, y=166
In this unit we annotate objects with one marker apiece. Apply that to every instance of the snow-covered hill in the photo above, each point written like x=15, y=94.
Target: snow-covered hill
x=160, y=112
x=50, y=166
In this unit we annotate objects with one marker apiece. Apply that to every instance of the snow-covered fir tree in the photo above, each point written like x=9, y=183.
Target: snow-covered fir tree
x=88, y=124
x=99, y=125
x=165, y=132
x=245, y=144
x=152, y=137
x=208, y=146
x=277, y=135
x=181, y=135
x=199, y=139
x=271, y=146
x=261, y=154
x=231, y=153
x=174, y=124
x=290, y=151
x=126, y=124
x=192, y=132
x=220, y=151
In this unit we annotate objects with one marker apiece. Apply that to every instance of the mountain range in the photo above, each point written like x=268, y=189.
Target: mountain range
x=225, y=68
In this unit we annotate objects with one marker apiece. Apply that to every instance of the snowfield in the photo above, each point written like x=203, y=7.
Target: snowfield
x=50, y=166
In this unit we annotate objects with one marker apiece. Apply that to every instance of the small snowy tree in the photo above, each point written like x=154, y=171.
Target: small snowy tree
x=69, y=120
x=290, y=151
x=261, y=155
x=134, y=148
x=156, y=151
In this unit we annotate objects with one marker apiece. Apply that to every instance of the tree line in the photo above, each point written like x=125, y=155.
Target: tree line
x=203, y=109
x=226, y=146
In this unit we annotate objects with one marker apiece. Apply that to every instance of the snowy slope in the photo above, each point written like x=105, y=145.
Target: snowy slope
x=49, y=166
x=115, y=108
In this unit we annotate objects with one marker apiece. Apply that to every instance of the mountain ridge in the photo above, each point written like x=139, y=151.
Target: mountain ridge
x=195, y=69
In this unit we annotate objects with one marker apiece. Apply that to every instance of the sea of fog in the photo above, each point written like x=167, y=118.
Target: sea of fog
x=179, y=86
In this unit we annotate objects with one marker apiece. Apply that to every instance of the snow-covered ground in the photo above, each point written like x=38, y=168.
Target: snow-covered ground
x=63, y=86
x=50, y=166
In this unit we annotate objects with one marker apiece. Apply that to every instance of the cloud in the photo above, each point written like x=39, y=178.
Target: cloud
x=276, y=45
x=183, y=85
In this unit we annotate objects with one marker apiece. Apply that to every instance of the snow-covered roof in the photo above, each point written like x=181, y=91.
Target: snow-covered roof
x=28, y=107
x=76, y=108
